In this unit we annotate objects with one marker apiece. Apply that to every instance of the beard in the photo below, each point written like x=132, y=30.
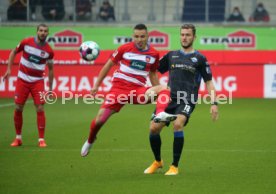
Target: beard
x=141, y=46
x=187, y=46
x=41, y=38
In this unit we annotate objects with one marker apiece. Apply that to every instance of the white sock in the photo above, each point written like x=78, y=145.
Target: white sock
x=18, y=136
x=41, y=139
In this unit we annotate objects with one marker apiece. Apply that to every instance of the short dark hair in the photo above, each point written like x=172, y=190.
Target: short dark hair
x=189, y=26
x=41, y=25
x=140, y=27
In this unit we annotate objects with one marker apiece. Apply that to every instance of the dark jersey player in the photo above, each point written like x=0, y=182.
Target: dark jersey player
x=186, y=69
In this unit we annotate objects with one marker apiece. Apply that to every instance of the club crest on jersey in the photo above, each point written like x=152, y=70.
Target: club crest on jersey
x=147, y=59
x=194, y=59
x=42, y=54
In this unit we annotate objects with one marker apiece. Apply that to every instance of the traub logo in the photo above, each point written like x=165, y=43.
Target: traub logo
x=156, y=38
x=66, y=38
x=239, y=39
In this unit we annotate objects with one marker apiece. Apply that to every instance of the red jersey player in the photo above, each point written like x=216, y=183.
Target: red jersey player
x=137, y=60
x=36, y=55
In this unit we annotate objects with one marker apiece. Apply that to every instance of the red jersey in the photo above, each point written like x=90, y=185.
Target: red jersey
x=33, y=60
x=135, y=64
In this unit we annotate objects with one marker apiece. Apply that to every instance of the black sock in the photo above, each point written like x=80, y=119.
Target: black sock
x=178, y=144
x=155, y=144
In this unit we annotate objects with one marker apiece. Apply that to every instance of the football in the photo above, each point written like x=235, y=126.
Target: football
x=89, y=50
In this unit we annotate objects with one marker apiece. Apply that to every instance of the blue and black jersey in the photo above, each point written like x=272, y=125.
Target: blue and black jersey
x=185, y=73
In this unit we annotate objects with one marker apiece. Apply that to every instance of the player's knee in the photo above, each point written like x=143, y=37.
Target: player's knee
x=102, y=116
x=155, y=129
x=39, y=108
x=19, y=107
x=178, y=125
x=157, y=89
x=161, y=88
x=99, y=121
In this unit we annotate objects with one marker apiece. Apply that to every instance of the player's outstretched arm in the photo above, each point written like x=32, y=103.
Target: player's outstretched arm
x=214, y=106
x=10, y=62
x=104, y=71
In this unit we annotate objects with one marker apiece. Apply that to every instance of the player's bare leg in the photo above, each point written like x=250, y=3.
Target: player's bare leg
x=41, y=120
x=95, y=126
x=163, y=99
x=18, y=122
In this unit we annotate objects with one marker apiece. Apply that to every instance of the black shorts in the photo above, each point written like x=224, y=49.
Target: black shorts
x=182, y=108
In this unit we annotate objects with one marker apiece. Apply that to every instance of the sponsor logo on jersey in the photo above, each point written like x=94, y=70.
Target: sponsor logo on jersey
x=175, y=56
x=66, y=38
x=138, y=65
x=34, y=59
x=238, y=39
x=183, y=67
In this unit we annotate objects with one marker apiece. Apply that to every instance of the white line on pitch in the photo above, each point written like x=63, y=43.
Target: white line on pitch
x=12, y=104
x=133, y=150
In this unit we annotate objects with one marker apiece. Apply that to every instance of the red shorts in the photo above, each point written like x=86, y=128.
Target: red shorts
x=23, y=89
x=119, y=96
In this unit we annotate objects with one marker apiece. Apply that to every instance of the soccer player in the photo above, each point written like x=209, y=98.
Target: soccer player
x=137, y=61
x=36, y=55
x=186, y=68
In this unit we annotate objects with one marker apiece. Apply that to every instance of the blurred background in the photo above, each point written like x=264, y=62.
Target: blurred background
x=132, y=11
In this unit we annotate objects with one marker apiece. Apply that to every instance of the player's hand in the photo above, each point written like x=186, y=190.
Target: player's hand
x=94, y=90
x=214, y=112
x=7, y=75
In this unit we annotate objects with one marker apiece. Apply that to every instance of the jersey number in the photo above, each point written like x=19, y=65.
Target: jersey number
x=187, y=109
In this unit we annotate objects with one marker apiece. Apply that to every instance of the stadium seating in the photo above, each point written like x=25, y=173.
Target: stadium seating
x=163, y=11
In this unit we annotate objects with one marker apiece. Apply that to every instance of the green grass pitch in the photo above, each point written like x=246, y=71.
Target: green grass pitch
x=236, y=154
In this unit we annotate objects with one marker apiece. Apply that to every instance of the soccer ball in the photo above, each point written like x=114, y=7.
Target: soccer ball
x=89, y=50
